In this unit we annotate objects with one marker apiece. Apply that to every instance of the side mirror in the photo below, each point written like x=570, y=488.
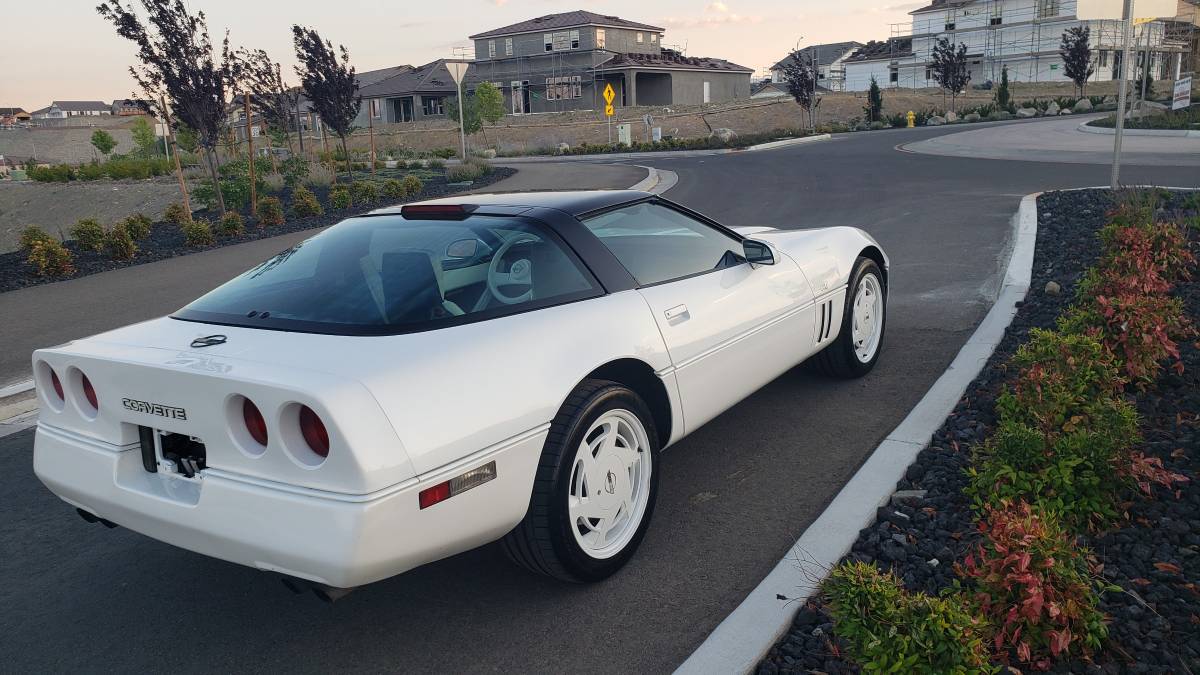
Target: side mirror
x=757, y=252
x=463, y=248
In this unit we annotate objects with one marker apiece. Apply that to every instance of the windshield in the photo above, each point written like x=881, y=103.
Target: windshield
x=386, y=274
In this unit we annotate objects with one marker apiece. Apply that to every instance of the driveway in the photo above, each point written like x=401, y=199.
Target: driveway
x=734, y=496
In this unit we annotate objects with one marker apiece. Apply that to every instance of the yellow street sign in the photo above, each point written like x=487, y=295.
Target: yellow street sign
x=608, y=110
x=609, y=94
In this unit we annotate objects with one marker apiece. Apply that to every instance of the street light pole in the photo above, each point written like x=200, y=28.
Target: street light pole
x=1122, y=90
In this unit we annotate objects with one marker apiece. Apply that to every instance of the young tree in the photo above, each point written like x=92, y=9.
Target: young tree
x=950, y=68
x=269, y=93
x=177, y=59
x=329, y=83
x=472, y=118
x=144, y=137
x=874, y=107
x=1076, y=53
x=490, y=102
x=1003, y=93
x=800, y=76
x=103, y=141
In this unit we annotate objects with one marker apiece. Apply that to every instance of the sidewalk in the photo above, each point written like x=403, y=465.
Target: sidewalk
x=51, y=314
x=1059, y=140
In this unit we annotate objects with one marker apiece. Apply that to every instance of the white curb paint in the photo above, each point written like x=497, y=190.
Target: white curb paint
x=746, y=635
x=786, y=143
x=661, y=154
x=657, y=181
x=16, y=388
x=1176, y=133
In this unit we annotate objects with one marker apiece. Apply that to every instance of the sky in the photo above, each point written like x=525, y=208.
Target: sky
x=63, y=50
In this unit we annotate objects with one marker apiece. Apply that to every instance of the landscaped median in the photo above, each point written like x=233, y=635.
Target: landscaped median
x=1053, y=523
x=285, y=206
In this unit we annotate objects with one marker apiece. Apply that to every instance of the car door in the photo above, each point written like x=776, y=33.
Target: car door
x=729, y=326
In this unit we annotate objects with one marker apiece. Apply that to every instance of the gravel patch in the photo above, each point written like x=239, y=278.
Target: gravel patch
x=166, y=240
x=1155, y=557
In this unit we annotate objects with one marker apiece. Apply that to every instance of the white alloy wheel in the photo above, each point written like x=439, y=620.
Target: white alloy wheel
x=867, y=318
x=610, y=484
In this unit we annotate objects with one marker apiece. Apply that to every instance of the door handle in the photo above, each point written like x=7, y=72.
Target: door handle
x=676, y=312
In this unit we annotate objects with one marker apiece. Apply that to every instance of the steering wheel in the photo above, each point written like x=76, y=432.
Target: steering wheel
x=520, y=272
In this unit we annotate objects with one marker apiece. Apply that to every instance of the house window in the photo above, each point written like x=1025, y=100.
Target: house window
x=561, y=41
x=950, y=26
x=562, y=88
x=640, y=38
x=433, y=105
x=599, y=38
x=654, y=38
x=375, y=109
x=491, y=49
x=508, y=46
x=895, y=76
x=1047, y=8
x=928, y=74
x=951, y=19
x=997, y=14
x=1103, y=59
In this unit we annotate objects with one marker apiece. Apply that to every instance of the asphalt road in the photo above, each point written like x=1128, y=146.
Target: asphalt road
x=733, y=497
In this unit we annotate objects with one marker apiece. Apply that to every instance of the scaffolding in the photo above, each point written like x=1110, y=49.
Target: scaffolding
x=1026, y=40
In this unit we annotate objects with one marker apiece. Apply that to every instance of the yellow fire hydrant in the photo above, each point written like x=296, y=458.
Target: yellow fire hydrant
x=912, y=119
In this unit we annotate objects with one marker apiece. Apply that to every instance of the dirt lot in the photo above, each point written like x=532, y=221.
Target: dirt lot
x=56, y=206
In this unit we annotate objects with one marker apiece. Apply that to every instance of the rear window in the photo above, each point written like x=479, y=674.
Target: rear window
x=386, y=274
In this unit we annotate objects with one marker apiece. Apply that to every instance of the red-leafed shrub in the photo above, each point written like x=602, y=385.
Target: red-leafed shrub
x=1141, y=329
x=1149, y=471
x=1035, y=587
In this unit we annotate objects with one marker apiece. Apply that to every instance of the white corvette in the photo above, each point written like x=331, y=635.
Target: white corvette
x=419, y=381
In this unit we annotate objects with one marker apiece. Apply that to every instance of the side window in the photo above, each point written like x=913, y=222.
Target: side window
x=656, y=243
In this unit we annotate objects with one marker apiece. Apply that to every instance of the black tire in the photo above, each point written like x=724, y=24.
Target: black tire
x=543, y=541
x=839, y=359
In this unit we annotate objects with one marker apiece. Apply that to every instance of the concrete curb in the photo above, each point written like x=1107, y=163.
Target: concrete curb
x=665, y=154
x=1172, y=133
x=657, y=181
x=16, y=388
x=749, y=632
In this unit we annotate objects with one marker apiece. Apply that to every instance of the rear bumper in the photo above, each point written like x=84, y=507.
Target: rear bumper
x=335, y=539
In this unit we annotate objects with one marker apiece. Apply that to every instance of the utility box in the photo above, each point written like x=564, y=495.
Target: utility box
x=625, y=134
x=656, y=134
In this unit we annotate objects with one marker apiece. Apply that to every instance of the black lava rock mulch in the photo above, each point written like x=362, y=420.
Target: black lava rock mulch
x=1154, y=557
x=166, y=239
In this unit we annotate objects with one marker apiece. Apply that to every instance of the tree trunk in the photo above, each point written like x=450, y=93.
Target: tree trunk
x=211, y=154
x=346, y=152
x=170, y=140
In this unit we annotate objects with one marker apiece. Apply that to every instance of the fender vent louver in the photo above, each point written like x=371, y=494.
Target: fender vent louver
x=826, y=321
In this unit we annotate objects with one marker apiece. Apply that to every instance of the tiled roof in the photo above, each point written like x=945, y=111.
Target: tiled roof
x=670, y=59
x=887, y=49
x=77, y=106
x=826, y=54
x=431, y=77
x=565, y=20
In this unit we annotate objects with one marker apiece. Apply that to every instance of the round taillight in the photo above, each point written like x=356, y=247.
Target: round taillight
x=255, y=424
x=58, y=388
x=89, y=392
x=314, y=432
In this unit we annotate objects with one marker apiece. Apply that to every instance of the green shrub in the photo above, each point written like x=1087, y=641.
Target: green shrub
x=305, y=203
x=118, y=243
x=460, y=173
x=435, y=164
x=294, y=170
x=231, y=224
x=33, y=234
x=274, y=183
x=89, y=234
x=57, y=173
x=412, y=185
x=50, y=258
x=1035, y=587
x=890, y=630
x=444, y=153
x=1062, y=378
x=270, y=211
x=138, y=226
x=394, y=189
x=197, y=232
x=364, y=192
x=177, y=214
x=339, y=197
x=1073, y=475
